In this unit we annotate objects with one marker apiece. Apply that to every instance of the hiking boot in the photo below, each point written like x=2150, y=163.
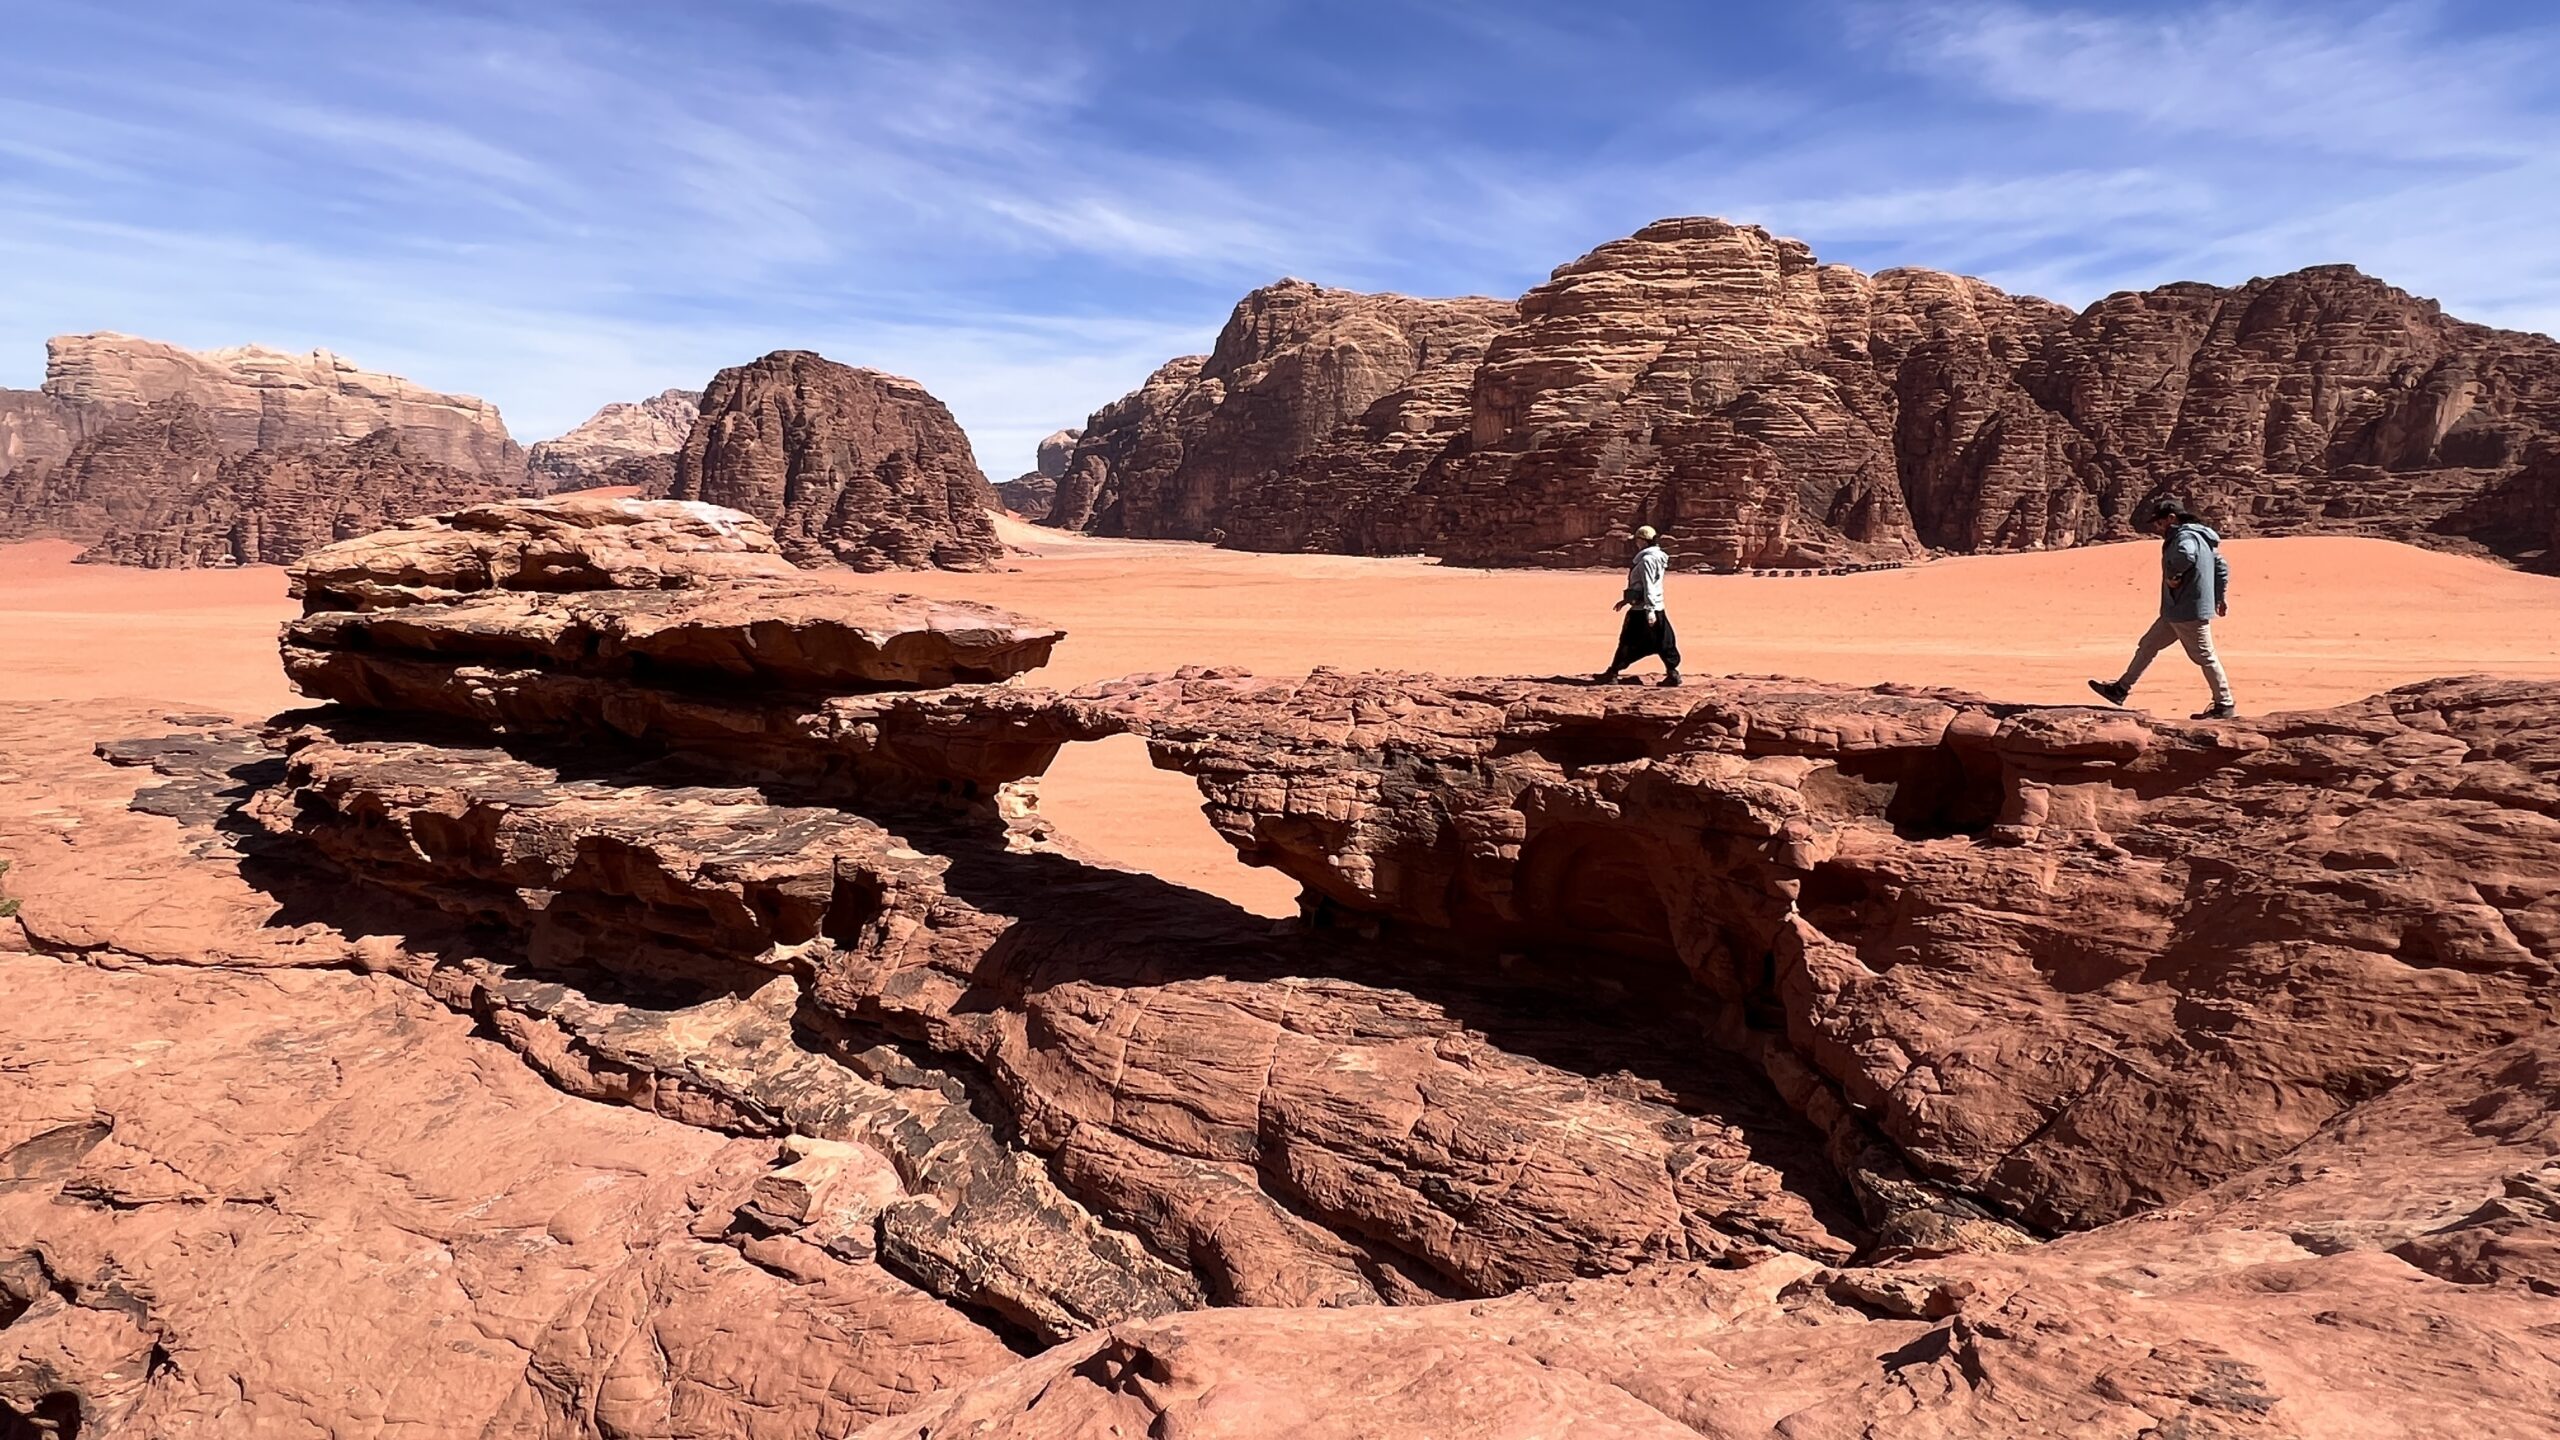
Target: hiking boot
x=2217, y=712
x=1605, y=677
x=2110, y=691
x=1670, y=679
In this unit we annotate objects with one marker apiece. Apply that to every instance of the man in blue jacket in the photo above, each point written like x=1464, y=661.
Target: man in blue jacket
x=2195, y=589
x=1647, y=628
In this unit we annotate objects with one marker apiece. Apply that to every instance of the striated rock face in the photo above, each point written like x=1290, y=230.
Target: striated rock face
x=1765, y=409
x=1720, y=383
x=37, y=430
x=1135, y=433
x=666, y=624
x=157, y=489
x=1758, y=1058
x=129, y=474
x=540, y=545
x=165, y=458
x=848, y=466
x=2314, y=1297
x=1295, y=363
x=269, y=506
x=1029, y=495
x=2074, y=964
x=622, y=444
x=261, y=399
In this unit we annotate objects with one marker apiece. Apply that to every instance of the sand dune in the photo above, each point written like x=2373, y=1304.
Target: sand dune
x=2314, y=621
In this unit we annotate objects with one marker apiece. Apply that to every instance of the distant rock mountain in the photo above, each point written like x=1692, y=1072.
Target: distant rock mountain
x=622, y=444
x=849, y=466
x=1766, y=409
x=157, y=489
x=1030, y=493
x=113, y=479
x=1186, y=455
x=270, y=506
x=166, y=457
x=262, y=399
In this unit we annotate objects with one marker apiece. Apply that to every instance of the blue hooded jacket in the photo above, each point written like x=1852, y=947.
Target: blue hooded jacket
x=2194, y=579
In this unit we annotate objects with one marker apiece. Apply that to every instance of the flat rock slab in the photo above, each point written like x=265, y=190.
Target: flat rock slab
x=573, y=544
x=802, y=635
x=298, y=1202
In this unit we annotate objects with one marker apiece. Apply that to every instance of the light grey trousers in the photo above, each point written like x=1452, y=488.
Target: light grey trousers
x=2195, y=637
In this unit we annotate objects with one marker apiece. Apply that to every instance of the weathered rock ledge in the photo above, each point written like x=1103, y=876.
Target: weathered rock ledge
x=2076, y=963
x=1794, y=1059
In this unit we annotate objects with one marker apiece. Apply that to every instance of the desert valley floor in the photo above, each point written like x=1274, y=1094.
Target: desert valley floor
x=2316, y=622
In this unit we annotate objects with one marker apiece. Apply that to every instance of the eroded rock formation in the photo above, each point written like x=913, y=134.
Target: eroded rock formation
x=1769, y=410
x=633, y=443
x=262, y=399
x=158, y=489
x=1030, y=494
x=270, y=506
x=37, y=430
x=118, y=478
x=1194, y=449
x=163, y=457
x=848, y=466
x=1761, y=1058
x=2390, y=1279
x=2074, y=963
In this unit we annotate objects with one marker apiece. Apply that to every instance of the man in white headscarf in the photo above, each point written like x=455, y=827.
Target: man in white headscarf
x=1647, y=628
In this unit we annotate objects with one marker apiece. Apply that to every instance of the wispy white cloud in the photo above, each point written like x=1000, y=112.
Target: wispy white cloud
x=2387, y=136
x=2378, y=85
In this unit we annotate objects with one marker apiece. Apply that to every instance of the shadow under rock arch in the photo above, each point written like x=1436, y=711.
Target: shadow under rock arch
x=1610, y=1004
x=1609, y=1013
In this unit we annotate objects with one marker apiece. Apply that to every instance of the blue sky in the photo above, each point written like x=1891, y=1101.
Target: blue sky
x=1028, y=206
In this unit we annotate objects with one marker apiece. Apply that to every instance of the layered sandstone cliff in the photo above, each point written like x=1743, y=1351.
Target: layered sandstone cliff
x=1295, y=363
x=37, y=430
x=166, y=457
x=262, y=399
x=1759, y=1058
x=1766, y=409
x=160, y=489
x=849, y=466
x=269, y=507
x=117, y=477
x=633, y=443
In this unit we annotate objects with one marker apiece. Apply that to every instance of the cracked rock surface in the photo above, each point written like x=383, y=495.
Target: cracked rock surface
x=502, y=1057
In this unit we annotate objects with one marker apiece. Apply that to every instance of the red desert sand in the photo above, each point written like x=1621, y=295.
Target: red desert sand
x=2315, y=622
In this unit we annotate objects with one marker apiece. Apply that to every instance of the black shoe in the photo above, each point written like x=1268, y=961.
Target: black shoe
x=1670, y=679
x=1605, y=677
x=2217, y=712
x=2110, y=691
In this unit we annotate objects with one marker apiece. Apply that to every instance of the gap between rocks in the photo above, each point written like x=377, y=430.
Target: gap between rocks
x=1108, y=800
